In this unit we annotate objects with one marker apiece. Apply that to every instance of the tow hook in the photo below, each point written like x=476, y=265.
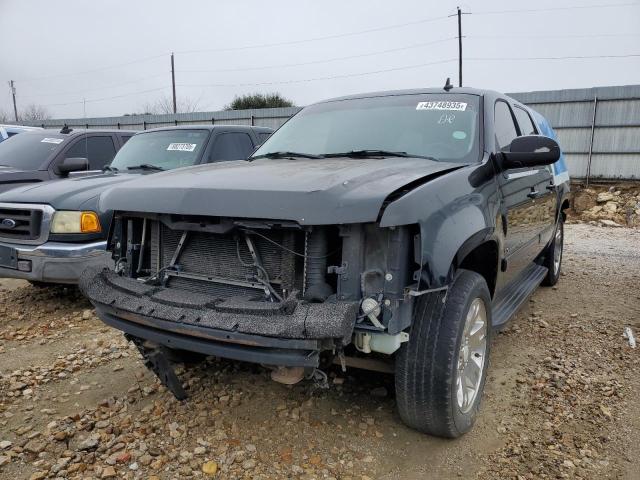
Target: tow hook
x=156, y=359
x=320, y=379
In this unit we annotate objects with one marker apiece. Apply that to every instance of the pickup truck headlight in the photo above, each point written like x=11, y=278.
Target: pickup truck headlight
x=75, y=222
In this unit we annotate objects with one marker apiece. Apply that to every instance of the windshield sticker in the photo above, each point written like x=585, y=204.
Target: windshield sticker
x=57, y=141
x=446, y=119
x=455, y=106
x=182, y=147
x=458, y=135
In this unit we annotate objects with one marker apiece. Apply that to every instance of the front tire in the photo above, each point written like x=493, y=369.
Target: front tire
x=441, y=370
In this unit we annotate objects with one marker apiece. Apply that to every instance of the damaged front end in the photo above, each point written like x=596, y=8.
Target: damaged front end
x=271, y=292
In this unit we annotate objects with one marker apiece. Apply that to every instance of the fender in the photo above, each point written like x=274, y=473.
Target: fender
x=455, y=213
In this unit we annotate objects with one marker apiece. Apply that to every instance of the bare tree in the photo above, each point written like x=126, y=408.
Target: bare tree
x=164, y=105
x=33, y=113
x=4, y=117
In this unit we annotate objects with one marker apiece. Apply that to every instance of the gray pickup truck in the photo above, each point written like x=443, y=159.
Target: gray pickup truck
x=50, y=232
x=393, y=231
x=40, y=155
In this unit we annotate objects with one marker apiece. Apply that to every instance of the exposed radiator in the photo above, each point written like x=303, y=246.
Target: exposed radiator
x=215, y=255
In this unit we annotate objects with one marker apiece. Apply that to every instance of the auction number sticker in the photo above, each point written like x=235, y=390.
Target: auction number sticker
x=455, y=106
x=182, y=147
x=57, y=141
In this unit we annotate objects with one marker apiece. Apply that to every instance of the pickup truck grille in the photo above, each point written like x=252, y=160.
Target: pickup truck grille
x=23, y=223
x=220, y=264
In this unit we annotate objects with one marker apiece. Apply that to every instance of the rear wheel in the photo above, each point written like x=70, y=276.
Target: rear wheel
x=441, y=370
x=553, y=256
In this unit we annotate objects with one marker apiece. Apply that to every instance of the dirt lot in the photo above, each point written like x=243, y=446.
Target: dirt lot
x=563, y=398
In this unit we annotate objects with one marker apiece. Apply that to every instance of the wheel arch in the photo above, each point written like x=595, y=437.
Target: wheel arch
x=482, y=258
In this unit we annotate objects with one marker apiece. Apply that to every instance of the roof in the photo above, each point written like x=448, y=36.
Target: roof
x=19, y=127
x=238, y=128
x=75, y=131
x=418, y=91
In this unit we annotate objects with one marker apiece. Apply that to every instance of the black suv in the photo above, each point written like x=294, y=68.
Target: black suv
x=393, y=231
x=41, y=155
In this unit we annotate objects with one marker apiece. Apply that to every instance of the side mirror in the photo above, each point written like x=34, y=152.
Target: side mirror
x=69, y=165
x=531, y=151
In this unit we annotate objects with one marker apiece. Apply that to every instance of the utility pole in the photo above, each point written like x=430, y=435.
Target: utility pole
x=459, y=14
x=459, y=47
x=173, y=84
x=13, y=94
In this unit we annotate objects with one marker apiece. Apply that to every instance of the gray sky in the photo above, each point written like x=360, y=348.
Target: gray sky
x=61, y=52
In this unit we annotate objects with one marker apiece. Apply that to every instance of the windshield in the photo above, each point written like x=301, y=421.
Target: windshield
x=166, y=149
x=28, y=151
x=428, y=125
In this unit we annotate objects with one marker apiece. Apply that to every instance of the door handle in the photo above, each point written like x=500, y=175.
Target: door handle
x=550, y=187
x=533, y=194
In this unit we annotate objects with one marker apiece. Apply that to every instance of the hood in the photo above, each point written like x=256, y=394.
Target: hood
x=68, y=194
x=13, y=174
x=5, y=169
x=313, y=191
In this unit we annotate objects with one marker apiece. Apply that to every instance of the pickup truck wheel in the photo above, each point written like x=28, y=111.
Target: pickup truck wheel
x=553, y=256
x=441, y=370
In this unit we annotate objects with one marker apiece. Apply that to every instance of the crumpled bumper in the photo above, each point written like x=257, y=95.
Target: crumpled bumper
x=289, y=333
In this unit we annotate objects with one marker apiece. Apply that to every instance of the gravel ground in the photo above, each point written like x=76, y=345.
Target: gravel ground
x=562, y=399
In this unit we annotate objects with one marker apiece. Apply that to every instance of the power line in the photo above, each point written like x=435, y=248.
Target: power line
x=92, y=100
x=100, y=69
x=568, y=57
x=106, y=87
x=314, y=79
x=588, y=35
x=328, y=60
x=315, y=39
x=553, y=9
x=246, y=47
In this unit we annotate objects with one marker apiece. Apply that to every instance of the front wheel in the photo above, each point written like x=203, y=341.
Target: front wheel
x=441, y=370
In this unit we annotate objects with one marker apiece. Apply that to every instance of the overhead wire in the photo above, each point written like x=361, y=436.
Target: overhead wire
x=315, y=79
x=554, y=9
x=335, y=59
x=328, y=60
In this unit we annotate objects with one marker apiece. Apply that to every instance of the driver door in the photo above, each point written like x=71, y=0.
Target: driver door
x=518, y=187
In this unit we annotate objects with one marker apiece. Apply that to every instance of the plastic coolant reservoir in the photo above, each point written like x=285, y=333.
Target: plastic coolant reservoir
x=379, y=342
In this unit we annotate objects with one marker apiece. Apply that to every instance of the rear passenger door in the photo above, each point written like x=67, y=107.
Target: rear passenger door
x=230, y=146
x=98, y=149
x=516, y=185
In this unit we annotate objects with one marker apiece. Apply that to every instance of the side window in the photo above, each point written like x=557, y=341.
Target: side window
x=505, y=128
x=231, y=146
x=524, y=121
x=98, y=150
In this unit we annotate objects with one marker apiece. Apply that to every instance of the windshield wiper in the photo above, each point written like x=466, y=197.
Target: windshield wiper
x=109, y=168
x=285, y=155
x=375, y=153
x=145, y=166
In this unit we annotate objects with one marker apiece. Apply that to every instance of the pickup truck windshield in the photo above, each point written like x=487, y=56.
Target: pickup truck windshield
x=28, y=151
x=166, y=149
x=441, y=126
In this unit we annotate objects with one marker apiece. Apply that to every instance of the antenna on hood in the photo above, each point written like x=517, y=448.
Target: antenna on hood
x=447, y=85
x=66, y=129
